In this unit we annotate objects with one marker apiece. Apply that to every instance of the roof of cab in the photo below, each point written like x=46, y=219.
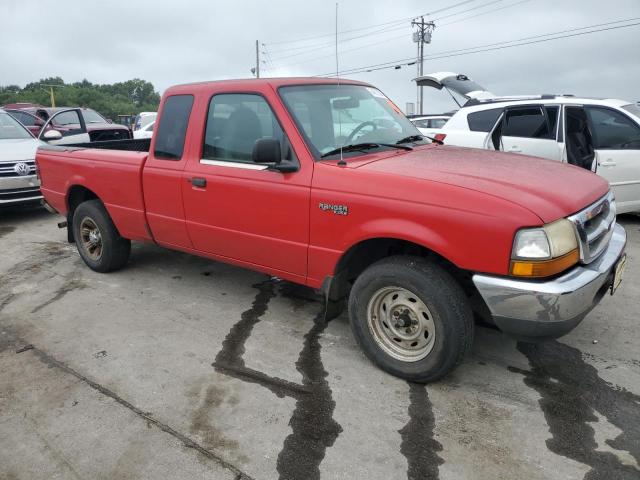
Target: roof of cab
x=251, y=83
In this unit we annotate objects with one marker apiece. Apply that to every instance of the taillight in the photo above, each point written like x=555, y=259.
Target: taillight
x=37, y=169
x=440, y=137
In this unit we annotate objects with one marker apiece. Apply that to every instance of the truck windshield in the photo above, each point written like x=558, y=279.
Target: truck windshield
x=333, y=116
x=10, y=128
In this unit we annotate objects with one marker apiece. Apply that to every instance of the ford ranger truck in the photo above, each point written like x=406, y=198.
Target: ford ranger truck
x=326, y=183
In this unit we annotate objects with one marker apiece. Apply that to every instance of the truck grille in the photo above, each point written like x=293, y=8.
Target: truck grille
x=594, y=225
x=8, y=169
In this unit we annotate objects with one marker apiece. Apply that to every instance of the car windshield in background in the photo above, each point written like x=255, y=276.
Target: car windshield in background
x=91, y=116
x=632, y=109
x=10, y=128
x=334, y=116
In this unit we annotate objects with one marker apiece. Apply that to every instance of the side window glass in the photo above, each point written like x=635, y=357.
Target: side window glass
x=527, y=123
x=65, y=119
x=173, y=127
x=613, y=130
x=235, y=122
x=484, y=120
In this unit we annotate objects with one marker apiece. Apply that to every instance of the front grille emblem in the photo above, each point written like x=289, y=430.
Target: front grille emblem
x=22, y=169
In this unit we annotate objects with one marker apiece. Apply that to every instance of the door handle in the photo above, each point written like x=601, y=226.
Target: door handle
x=608, y=163
x=199, y=182
x=515, y=150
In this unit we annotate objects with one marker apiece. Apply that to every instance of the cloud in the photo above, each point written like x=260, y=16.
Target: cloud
x=191, y=40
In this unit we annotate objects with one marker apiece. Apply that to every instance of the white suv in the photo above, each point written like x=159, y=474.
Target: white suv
x=597, y=134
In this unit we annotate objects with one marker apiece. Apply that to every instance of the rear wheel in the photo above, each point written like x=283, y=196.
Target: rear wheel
x=97, y=238
x=411, y=318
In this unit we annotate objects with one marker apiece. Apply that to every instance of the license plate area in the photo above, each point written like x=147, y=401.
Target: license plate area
x=618, y=273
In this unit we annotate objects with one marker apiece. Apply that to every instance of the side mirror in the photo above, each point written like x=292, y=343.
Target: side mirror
x=267, y=150
x=50, y=135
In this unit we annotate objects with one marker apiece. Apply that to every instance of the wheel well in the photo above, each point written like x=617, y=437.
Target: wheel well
x=364, y=254
x=77, y=195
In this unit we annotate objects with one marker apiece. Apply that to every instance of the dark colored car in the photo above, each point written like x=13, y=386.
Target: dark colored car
x=76, y=125
x=33, y=123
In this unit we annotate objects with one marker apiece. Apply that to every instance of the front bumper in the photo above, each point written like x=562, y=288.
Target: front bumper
x=536, y=310
x=19, y=189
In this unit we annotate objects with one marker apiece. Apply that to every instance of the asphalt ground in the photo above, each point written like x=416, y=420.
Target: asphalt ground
x=180, y=367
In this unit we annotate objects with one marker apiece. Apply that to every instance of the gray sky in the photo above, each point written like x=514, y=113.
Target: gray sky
x=168, y=42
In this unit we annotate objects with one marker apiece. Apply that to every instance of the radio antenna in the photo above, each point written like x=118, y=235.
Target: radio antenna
x=341, y=162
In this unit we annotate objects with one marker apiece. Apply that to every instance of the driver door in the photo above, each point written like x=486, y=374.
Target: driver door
x=70, y=123
x=241, y=210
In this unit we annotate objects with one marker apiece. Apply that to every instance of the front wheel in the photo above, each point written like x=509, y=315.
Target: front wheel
x=97, y=238
x=411, y=318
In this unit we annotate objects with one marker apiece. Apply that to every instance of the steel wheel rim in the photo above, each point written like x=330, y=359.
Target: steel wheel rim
x=401, y=324
x=91, y=238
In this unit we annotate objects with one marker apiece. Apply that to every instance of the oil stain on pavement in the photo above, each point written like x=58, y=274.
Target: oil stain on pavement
x=571, y=393
x=313, y=427
x=418, y=443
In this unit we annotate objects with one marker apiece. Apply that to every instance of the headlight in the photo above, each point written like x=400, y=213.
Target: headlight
x=545, y=251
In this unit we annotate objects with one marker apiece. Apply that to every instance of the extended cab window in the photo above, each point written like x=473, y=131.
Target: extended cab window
x=484, y=120
x=529, y=122
x=173, y=127
x=66, y=118
x=613, y=130
x=235, y=122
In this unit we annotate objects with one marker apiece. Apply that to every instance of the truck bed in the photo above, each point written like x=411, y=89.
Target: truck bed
x=109, y=170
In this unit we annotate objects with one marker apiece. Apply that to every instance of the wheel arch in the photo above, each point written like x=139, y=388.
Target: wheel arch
x=77, y=194
x=366, y=252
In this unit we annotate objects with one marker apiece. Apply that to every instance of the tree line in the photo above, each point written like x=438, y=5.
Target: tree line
x=122, y=98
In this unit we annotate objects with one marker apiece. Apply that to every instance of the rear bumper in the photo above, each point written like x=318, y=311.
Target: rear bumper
x=537, y=310
x=19, y=189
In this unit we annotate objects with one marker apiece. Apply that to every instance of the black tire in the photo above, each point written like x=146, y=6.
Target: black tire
x=450, y=315
x=114, y=250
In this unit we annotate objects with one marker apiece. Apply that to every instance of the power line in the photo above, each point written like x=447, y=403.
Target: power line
x=483, y=13
x=373, y=26
x=465, y=51
x=385, y=40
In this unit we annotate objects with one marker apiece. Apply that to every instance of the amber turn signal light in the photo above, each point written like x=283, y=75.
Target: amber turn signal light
x=544, y=268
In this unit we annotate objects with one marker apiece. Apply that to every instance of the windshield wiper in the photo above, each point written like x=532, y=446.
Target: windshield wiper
x=363, y=146
x=417, y=138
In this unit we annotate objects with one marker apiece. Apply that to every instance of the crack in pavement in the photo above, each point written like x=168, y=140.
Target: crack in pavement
x=571, y=392
x=10, y=339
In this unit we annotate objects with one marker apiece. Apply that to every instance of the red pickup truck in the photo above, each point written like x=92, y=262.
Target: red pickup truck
x=327, y=184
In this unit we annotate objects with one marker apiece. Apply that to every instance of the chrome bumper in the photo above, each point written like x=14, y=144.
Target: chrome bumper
x=19, y=189
x=535, y=310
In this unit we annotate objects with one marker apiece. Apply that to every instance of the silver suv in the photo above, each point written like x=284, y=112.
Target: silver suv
x=18, y=180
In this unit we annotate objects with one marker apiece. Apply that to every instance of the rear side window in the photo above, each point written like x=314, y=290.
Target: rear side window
x=613, y=130
x=527, y=123
x=173, y=127
x=484, y=120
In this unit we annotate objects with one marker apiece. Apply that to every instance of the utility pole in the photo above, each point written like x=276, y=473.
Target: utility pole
x=422, y=36
x=257, y=59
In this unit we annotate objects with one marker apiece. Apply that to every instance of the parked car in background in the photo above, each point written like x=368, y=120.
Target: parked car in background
x=145, y=132
x=143, y=119
x=602, y=135
x=414, y=236
x=33, y=123
x=79, y=125
x=18, y=181
x=430, y=125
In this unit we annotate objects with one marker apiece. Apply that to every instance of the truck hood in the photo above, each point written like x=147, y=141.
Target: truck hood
x=549, y=189
x=18, y=149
